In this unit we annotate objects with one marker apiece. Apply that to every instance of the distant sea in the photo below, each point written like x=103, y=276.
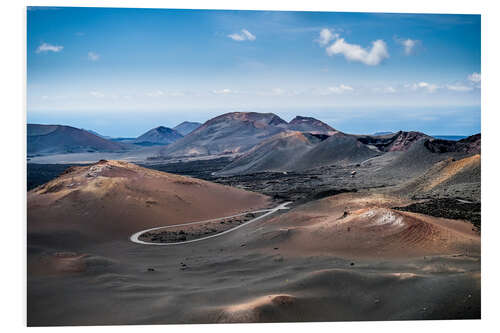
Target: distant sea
x=449, y=137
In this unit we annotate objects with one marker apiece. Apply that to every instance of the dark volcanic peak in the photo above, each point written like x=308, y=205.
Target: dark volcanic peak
x=469, y=145
x=404, y=140
x=309, y=124
x=339, y=149
x=294, y=151
x=159, y=136
x=276, y=121
x=187, y=127
x=277, y=153
x=60, y=139
x=400, y=141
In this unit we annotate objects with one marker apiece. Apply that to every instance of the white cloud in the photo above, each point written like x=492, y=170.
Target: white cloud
x=475, y=77
x=93, y=56
x=458, y=87
x=45, y=47
x=430, y=87
x=244, y=35
x=222, y=91
x=353, y=52
x=97, y=94
x=409, y=45
x=325, y=36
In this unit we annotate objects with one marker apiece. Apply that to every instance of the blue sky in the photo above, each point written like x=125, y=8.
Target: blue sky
x=124, y=71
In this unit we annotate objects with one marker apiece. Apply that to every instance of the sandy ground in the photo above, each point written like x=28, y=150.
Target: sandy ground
x=346, y=257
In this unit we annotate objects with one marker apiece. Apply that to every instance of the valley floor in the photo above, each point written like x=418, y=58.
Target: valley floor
x=341, y=253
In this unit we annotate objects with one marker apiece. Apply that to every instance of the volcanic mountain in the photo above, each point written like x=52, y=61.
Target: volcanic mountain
x=229, y=133
x=293, y=151
x=278, y=153
x=400, y=141
x=238, y=132
x=469, y=145
x=187, y=127
x=98, y=134
x=423, y=154
x=59, y=139
x=158, y=136
x=111, y=200
x=308, y=124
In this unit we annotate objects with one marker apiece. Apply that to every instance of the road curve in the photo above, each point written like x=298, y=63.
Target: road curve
x=135, y=237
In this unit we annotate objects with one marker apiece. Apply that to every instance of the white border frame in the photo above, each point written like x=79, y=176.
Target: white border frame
x=13, y=133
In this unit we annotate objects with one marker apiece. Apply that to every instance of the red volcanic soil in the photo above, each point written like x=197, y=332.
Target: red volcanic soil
x=112, y=200
x=344, y=257
x=365, y=226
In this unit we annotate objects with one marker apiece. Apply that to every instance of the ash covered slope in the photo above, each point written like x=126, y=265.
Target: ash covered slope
x=187, y=127
x=340, y=149
x=292, y=151
x=111, y=200
x=448, y=178
x=59, y=139
x=158, y=136
x=424, y=153
x=229, y=133
x=278, y=153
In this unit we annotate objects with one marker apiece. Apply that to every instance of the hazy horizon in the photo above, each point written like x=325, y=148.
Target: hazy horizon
x=352, y=120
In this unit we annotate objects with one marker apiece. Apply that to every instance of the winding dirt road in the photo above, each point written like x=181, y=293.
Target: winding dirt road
x=135, y=237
